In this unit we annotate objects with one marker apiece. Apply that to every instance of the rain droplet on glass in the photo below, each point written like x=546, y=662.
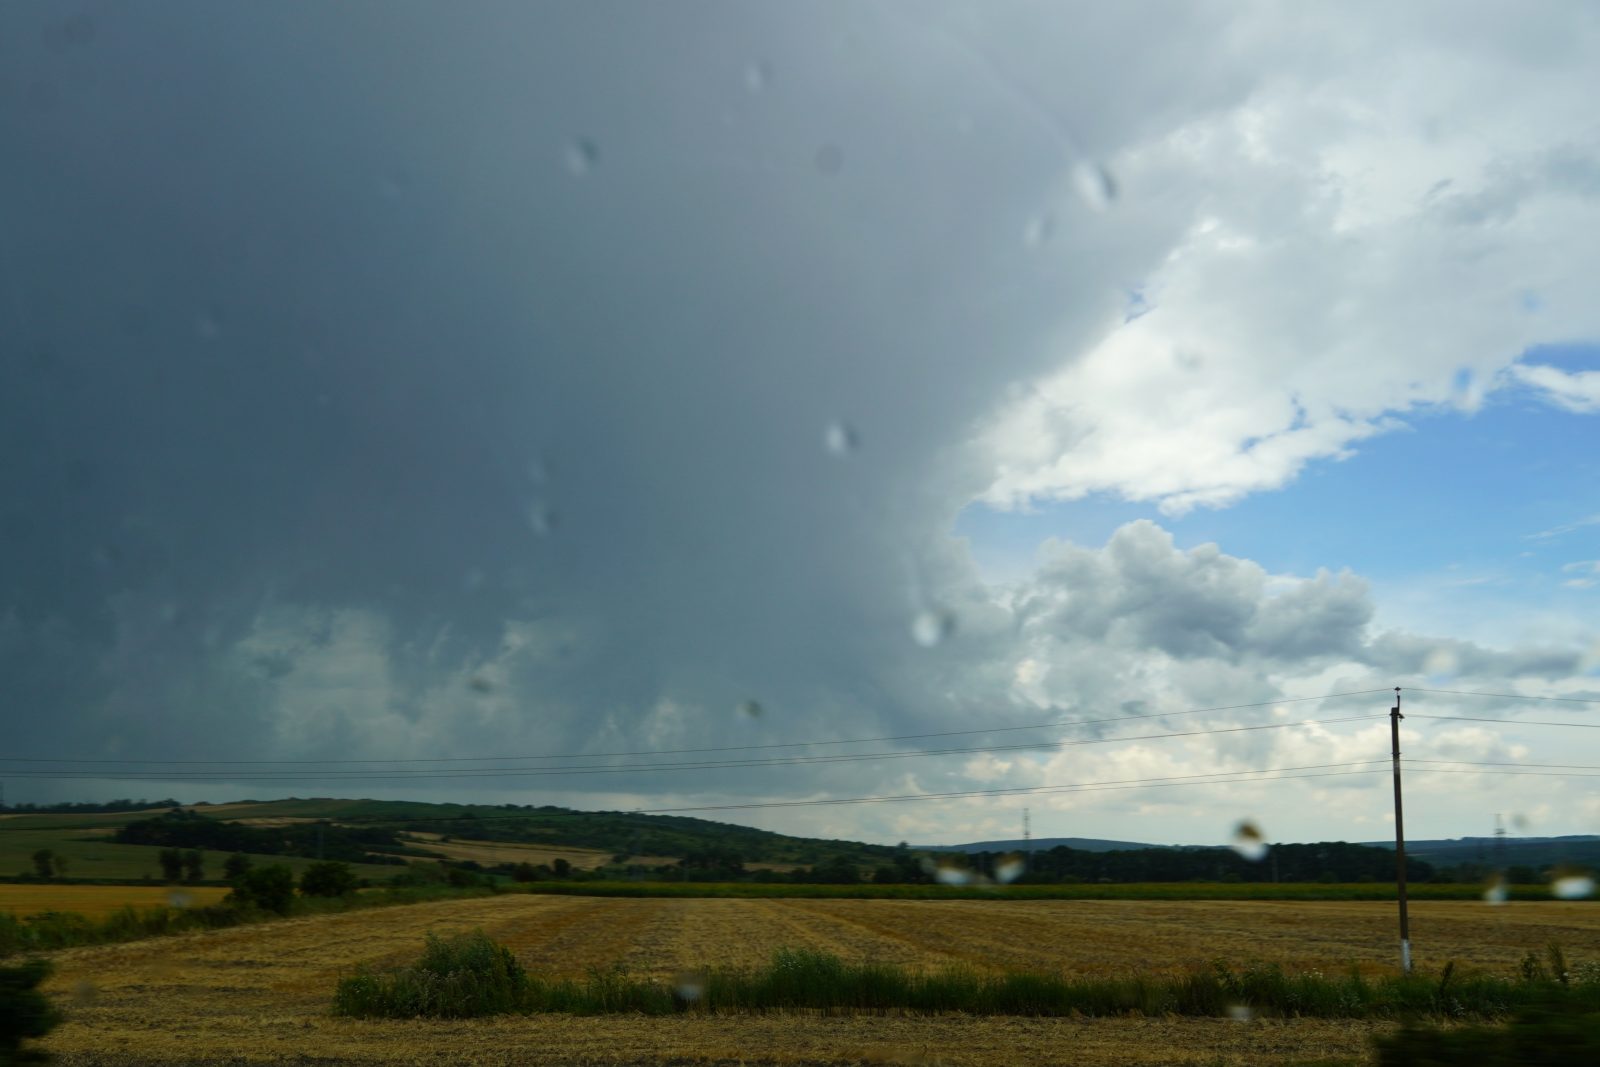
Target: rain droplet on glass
x=1571, y=883
x=751, y=709
x=931, y=627
x=757, y=76
x=689, y=985
x=479, y=684
x=179, y=899
x=1010, y=867
x=582, y=156
x=840, y=439
x=1039, y=231
x=1240, y=1013
x=1095, y=185
x=1497, y=891
x=541, y=519
x=1249, y=842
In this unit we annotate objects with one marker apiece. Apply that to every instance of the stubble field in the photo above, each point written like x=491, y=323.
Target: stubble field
x=98, y=901
x=261, y=993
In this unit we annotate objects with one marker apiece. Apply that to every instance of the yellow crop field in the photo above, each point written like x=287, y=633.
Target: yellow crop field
x=261, y=993
x=492, y=852
x=96, y=901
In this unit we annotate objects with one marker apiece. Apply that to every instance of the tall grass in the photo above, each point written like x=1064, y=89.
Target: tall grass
x=471, y=975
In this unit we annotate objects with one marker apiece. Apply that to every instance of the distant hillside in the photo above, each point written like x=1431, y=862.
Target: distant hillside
x=89, y=842
x=1041, y=844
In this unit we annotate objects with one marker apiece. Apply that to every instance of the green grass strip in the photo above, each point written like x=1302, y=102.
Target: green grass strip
x=471, y=975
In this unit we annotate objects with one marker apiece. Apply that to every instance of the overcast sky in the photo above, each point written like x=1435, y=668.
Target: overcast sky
x=403, y=381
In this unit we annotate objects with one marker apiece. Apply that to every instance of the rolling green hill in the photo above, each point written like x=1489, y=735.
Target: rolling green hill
x=85, y=839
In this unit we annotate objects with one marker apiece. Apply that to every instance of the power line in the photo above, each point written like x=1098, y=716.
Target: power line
x=1530, y=774
x=1319, y=770
x=688, y=751
x=1508, y=763
x=75, y=774
x=1506, y=696
x=1508, y=722
x=1213, y=778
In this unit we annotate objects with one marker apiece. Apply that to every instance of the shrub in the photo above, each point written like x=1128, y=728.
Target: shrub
x=269, y=888
x=24, y=1011
x=328, y=879
x=1545, y=1034
x=457, y=978
x=236, y=867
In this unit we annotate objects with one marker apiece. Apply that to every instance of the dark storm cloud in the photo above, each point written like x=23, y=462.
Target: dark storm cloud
x=357, y=335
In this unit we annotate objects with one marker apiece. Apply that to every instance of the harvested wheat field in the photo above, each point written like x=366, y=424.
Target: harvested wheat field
x=583, y=859
x=97, y=901
x=261, y=993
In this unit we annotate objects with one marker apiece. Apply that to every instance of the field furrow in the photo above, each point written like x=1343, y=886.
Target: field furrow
x=261, y=993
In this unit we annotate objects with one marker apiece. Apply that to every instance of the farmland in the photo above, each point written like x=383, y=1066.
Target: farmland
x=262, y=992
x=97, y=901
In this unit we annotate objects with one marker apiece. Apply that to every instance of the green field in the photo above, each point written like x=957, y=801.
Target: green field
x=88, y=856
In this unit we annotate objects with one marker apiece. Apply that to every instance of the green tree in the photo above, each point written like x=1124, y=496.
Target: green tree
x=44, y=863
x=24, y=1011
x=269, y=888
x=235, y=868
x=171, y=861
x=328, y=879
x=194, y=866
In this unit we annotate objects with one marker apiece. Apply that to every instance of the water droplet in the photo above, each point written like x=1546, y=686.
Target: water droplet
x=207, y=326
x=582, y=156
x=1497, y=891
x=1010, y=867
x=1094, y=184
x=542, y=520
x=757, y=76
x=689, y=985
x=829, y=159
x=947, y=872
x=1249, y=842
x=1571, y=883
x=751, y=709
x=1039, y=231
x=930, y=628
x=1240, y=1013
x=840, y=439
x=179, y=899
x=84, y=993
x=479, y=684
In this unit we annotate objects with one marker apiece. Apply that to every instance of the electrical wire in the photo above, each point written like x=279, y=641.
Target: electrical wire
x=1507, y=696
x=74, y=774
x=1508, y=722
x=688, y=751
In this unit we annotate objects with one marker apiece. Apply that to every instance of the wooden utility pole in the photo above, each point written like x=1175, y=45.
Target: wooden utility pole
x=1400, y=836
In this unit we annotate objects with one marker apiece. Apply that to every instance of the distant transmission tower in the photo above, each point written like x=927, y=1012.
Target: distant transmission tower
x=1499, y=842
x=1027, y=830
